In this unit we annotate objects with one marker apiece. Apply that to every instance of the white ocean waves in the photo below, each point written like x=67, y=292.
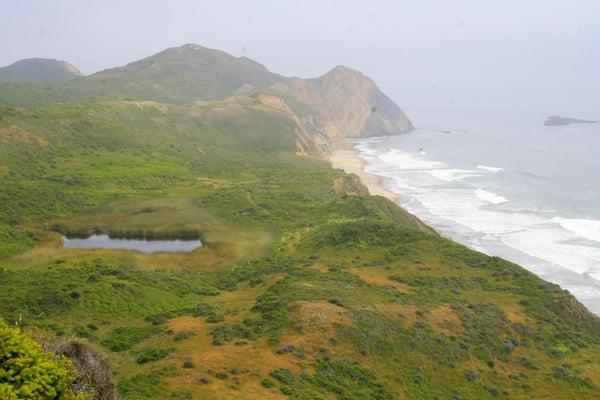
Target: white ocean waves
x=587, y=228
x=465, y=204
x=405, y=161
x=452, y=175
x=490, y=197
x=489, y=169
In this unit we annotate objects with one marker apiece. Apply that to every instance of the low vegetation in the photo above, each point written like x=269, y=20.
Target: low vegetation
x=300, y=291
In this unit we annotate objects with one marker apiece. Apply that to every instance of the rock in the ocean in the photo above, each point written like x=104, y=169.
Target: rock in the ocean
x=556, y=120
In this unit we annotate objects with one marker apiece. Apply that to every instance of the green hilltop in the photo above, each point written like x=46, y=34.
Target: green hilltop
x=306, y=287
x=38, y=70
x=176, y=75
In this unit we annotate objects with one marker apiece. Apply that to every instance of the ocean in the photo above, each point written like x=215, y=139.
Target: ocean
x=501, y=182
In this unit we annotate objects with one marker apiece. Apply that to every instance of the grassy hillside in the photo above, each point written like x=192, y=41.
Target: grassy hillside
x=340, y=104
x=176, y=75
x=303, y=290
x=41, y=70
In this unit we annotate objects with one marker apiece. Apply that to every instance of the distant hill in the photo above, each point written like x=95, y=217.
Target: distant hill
x=177, y=75
x=187, y=73
x=342, y=103
x=39, y=70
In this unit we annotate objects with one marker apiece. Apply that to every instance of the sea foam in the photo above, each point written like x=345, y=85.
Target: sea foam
x=452, y=175
x=407, y=161
x=531, y=229
x=587, y=228
x=490, y=169
x=490, y=197
x=551, y=240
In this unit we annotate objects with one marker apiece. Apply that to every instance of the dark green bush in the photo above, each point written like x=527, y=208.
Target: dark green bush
x=152, y=355
x=183, y=335
x=267, y=383
x=188, y=363
x=125, y=337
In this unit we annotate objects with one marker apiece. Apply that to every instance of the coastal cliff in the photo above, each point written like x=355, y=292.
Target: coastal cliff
x=342, y=104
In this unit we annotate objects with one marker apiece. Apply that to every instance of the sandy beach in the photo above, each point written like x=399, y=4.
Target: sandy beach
x=349, y=161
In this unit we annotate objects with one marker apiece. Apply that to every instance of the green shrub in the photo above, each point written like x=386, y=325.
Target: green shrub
x=267, y=383
x=344, y=379
x=222, y=375
x=152, y=355
x=125, y=337
x=183, y=335
x=142, y=386
x=27, y=372
x=226, y=333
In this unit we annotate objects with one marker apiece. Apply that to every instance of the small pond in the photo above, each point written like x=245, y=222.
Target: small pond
x=141, y=245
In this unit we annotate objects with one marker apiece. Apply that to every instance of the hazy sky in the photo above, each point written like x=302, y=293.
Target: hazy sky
x=419, y=52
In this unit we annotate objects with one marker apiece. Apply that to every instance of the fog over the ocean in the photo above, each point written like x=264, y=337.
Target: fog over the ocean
x=535, y=53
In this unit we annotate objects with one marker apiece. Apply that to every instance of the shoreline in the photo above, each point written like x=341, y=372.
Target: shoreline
x=350, y=162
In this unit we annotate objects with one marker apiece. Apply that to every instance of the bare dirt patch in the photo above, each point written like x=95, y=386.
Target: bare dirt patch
x=376, y=277
x=317, y=321
x=320, y=267
x=19, y=134
x=444, y=319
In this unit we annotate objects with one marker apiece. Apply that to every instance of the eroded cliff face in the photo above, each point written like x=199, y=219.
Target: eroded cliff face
x=308, y=143
x=349, y=186
x=342, y=104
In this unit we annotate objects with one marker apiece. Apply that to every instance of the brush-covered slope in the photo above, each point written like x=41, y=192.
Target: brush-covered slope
x=188, y=73
x=176, y=75
x=40, y=70
x=307, y=288
x=343, y=104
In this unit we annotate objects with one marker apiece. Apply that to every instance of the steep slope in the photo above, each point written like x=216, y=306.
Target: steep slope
x=41, y=70
x=343, y=104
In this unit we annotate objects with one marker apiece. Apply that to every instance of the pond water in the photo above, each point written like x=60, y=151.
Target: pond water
x=141, y=245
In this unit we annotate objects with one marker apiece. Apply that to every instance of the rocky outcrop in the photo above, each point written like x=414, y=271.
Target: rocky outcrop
x=94, y=374
x=342, y=104
x=349, y=185
x=556, y=120
x=95, y=377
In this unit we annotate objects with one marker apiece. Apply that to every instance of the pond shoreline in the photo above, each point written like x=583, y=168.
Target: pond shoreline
x=143, y=245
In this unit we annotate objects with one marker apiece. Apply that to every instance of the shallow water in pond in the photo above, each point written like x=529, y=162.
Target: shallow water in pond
x=141, y=245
